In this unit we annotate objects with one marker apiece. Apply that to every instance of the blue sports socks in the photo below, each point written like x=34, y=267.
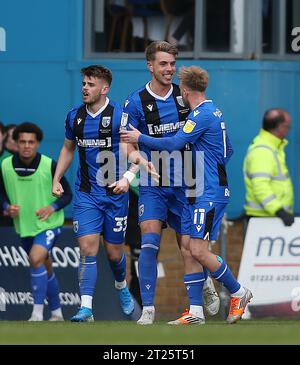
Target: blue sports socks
x=87, y=275
x=224, y=276
x=119, y=268
x=39, y=279
x=53, y=292
x=194, y=285
x=147, y=266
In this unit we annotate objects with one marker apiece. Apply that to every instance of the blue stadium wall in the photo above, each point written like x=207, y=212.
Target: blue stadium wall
x=40, y=81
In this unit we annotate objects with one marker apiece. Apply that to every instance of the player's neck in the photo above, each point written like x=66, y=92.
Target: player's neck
x=27, y=161
x=93, y=108
x=159, y=89
x=196, y=99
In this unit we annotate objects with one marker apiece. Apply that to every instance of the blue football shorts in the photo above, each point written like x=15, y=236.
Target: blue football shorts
x=164, y=204
x=99, y=213
x=46, y=239
x=203, y=219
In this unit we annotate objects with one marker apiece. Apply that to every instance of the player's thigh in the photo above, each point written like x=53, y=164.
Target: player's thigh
x=206, y=219
x=176, y=202
x=152, y=205
x=47, y=238
x=42, y=245
x=115, y=220
x=87, y=217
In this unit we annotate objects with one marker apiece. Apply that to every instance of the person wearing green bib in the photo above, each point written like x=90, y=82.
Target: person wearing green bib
x=26, y=196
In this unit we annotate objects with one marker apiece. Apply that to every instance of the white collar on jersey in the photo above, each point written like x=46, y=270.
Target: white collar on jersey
x=202, y=102
x=99, y=111
x=157, y=96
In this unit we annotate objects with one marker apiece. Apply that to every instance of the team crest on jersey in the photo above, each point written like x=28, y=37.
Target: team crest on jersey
x=150, y=107
x=189, y=126
x=75, y=226
x=79, y=120
x=124, y=119
x=141, y=209
x=106, y=121
x=180, y=100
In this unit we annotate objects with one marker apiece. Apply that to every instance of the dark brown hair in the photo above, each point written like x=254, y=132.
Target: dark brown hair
x=98, y=71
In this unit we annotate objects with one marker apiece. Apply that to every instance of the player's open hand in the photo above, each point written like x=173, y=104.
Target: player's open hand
x=131, y=136
x=45, y=212
x=120, y=187
x=57, y=189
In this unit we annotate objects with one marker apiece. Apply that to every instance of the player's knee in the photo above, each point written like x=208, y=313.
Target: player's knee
x=199, y=252
x=36, y=260
x=149, y=245
x=188, y=259
x=88, y=249
x=114, y=253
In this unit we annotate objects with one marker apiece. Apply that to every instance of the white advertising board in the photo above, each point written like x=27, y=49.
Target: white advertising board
x=270, y=268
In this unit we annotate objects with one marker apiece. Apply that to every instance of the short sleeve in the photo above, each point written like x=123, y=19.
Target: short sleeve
x=130, y=108
x=68, y=129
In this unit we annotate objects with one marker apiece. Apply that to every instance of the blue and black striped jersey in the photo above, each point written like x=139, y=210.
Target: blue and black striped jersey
x=158, y=117
x=97, y=137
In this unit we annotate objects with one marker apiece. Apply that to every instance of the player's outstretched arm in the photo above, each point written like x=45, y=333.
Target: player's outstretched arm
x=156, y=144
x=64, y=161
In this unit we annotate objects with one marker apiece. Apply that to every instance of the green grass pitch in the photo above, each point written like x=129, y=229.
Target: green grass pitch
x=118, y=333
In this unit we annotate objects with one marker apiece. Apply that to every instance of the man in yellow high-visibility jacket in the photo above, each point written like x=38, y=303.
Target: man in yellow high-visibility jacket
x=269, y=189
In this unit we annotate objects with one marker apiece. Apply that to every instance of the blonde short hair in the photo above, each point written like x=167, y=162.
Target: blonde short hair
x=193, y=77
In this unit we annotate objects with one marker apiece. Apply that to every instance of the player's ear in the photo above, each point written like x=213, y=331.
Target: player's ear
x=105, y=89
x=149, y=65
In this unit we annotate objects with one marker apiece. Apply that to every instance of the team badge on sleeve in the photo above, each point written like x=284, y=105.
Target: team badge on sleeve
x=141, y=210
x=75, y=226
x=189, y=126
x=124, y=119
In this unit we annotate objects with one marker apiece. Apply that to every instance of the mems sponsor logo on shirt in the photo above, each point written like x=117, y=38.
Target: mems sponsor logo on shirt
x=164, y=128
